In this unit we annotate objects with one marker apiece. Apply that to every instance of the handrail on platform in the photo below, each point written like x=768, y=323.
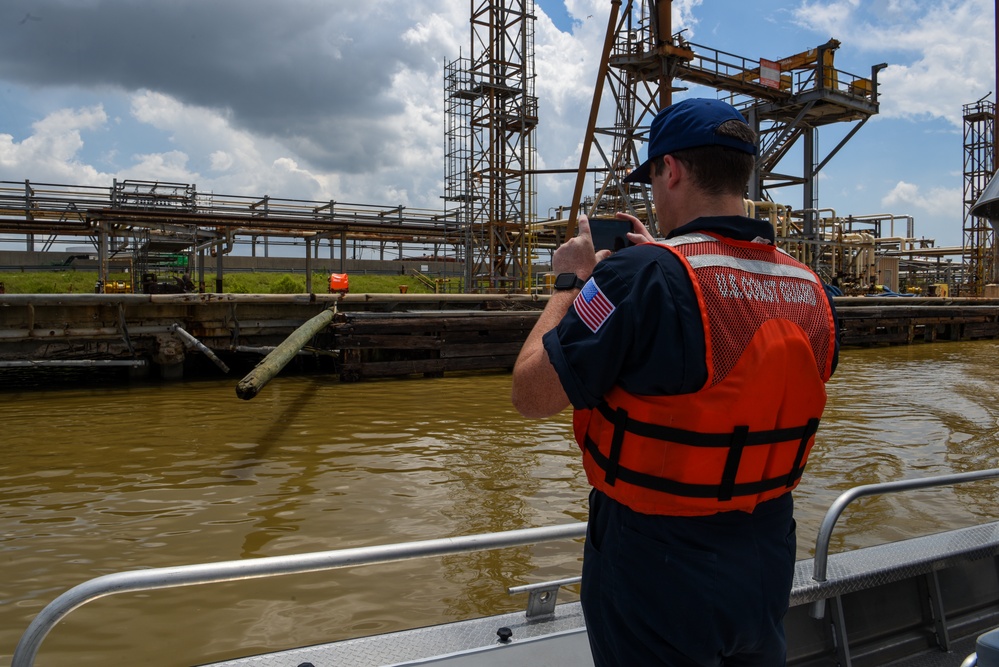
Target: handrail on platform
x=256, y=568
x=836, y=509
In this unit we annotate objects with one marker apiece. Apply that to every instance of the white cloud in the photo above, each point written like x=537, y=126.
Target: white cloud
x=220, y=161
x=170, y=166
x=51, y=152
x=684, y=15
x=235, y=161
x=934, y=50
x=445, y=33
x=826, y=17
x=937, y=201
x=566, y=73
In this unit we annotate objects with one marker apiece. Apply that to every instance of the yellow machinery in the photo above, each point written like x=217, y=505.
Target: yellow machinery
x=807, y=60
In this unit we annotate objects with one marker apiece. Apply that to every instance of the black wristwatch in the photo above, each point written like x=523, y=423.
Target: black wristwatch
x=568, y=281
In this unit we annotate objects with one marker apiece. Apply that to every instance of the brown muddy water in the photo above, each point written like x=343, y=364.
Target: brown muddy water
x=98, y=479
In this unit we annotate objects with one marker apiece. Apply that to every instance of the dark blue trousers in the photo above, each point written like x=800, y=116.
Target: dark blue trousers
x=687, y=591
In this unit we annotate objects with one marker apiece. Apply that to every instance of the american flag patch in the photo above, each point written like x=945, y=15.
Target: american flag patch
x=593, y=306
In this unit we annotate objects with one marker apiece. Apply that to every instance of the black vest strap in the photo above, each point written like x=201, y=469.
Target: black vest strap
x=620, y=422
x=810, y=429
x=676, y=488
x=698, y=439
x=738, y=442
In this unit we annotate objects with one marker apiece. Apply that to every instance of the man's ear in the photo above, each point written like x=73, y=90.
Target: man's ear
x=671, y=170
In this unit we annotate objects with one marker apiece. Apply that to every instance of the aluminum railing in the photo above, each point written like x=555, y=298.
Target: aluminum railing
x=236, y=570
x=836, y=509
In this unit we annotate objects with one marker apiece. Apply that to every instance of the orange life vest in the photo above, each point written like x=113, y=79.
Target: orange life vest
x=745, y=436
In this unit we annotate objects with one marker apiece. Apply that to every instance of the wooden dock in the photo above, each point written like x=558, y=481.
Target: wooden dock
x=371, y=335
x=872, y=321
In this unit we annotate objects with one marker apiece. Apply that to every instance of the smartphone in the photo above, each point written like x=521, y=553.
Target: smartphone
x=610, y=233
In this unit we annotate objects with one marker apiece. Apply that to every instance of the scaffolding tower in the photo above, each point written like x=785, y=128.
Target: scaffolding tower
x=979, y=164
x=491, y=112
x=784, y=100
x=632, y=70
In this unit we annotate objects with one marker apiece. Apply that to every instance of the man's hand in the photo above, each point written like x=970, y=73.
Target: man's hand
x=576, y=255
x=639, y=232
x=537, y=390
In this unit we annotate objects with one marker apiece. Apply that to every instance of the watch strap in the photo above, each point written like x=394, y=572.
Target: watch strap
x=566, y=281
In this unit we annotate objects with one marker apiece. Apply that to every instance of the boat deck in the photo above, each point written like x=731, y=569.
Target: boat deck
x=873, y=615
x=536, y=645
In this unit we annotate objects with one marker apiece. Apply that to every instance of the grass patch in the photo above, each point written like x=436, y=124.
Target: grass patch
x=69, y=282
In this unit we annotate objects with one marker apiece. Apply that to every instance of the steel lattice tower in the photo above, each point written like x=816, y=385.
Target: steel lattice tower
x=979, y=165
x=491, y=114
x=784, y=101
x=633, y=69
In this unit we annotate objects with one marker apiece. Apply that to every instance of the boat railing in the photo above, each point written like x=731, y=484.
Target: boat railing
x=543, y=594
x=839, y=505
x=256, y=568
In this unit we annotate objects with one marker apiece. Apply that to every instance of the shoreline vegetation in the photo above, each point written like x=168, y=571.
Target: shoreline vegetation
x=84, y=282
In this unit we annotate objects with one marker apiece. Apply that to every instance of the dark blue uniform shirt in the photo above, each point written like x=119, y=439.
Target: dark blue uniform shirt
x=652, y=342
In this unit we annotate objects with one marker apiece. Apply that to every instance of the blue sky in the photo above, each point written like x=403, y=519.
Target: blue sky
x=328, y=100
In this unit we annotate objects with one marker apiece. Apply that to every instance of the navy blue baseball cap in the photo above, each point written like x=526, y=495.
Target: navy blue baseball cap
x=689, y=124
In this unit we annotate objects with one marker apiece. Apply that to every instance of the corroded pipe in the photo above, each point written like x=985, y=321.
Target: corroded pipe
x=191, y=341
x=272, y=364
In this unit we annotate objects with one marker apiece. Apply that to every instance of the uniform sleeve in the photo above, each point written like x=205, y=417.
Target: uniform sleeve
x=635, y=324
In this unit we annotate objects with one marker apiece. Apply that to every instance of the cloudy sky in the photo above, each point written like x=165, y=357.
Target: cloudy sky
x=343, y=100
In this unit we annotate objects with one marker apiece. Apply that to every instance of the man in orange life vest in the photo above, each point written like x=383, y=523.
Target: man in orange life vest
x=696, y=369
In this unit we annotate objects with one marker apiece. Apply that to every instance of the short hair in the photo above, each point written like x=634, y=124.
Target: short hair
x=718, y=170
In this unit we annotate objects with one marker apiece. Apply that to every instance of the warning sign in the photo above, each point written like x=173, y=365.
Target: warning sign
x=769, y=73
